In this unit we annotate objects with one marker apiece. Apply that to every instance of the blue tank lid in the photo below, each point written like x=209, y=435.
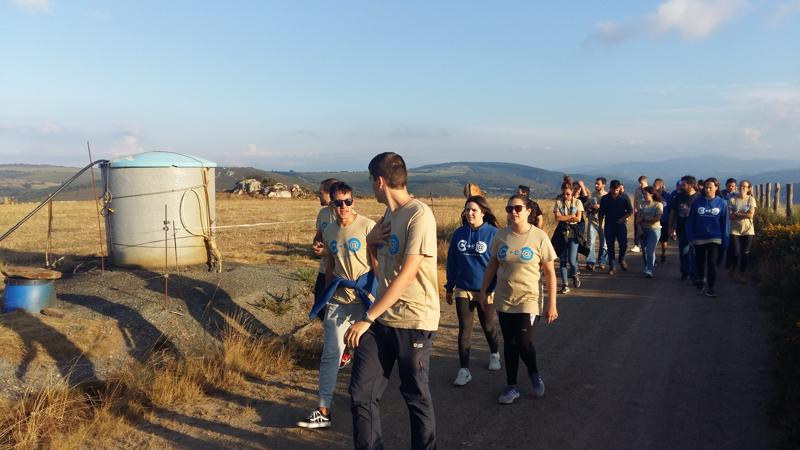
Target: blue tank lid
x=161, y=159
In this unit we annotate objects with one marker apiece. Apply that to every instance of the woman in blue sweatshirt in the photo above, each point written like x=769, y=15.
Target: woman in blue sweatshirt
x=707, y=228
x=467, y=259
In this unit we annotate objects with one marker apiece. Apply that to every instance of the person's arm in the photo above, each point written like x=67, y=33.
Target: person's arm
x=488, y=277
x=601, y=212
x=451, y=270
x=317, y=247
x=540, y=221
x=628, y=210
x=561, y=217
x=405, y=278
x=689, y=226
x=549, y=273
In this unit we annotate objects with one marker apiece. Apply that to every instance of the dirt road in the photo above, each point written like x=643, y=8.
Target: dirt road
x=631, y=363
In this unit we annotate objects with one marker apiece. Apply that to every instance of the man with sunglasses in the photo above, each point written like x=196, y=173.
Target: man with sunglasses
x=400, y=326
x=349, y=290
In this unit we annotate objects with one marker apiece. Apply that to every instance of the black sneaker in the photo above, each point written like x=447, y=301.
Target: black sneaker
x=710, y=292
x=590, y=267
x=623, y=265
x=576, y=280
x=698, y=284
x=315, y=420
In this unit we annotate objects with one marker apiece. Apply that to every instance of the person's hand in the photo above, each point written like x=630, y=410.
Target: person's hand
x=379, y=233
x=552, y=314
x=483, y=301
x=353, y=334
x=622, y=220
x=449, y=298
x=318, y=248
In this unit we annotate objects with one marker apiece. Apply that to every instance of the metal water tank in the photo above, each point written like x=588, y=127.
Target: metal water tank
x=139, y=190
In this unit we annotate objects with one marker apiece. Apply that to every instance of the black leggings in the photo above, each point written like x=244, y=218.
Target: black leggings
x=518, y=343
x=741, y=248
x=706, y=256
x=465, y=309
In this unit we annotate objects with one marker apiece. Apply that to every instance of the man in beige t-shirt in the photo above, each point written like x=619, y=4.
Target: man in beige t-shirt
x=349, y=286
x=400, y=326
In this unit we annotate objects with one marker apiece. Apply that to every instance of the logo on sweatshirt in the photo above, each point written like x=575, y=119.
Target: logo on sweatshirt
x=354, y=245
x=701, y=210
x=394, y=244
x=480, y=246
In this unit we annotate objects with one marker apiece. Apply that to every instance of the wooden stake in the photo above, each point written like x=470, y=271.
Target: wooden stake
x=97, y=208
x=768, y=196
x=49, y=234
x=777, y=200
x=166, y=258
x=789, y=200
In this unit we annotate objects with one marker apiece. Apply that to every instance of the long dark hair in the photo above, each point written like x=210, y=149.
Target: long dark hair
x=488, y=215
x=529, y=204
x=651, y=191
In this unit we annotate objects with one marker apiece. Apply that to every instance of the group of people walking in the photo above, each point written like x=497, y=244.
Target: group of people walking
x=377, y=290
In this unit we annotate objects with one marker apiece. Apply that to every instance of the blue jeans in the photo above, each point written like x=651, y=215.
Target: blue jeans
x=616, y=232
x=568, y=255
x=686, y=252
x=650, y=241
x=596, y=232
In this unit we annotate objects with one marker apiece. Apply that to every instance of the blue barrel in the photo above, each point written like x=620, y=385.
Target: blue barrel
x=30, y=295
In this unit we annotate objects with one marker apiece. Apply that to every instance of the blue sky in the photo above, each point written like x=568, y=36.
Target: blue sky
x=325, y=85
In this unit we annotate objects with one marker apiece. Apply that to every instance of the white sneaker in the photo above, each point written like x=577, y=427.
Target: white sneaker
x=463, y=377
x=636, y=249
x=494, y=361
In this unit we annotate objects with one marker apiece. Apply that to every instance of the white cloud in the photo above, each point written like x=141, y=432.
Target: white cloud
x=128, y=144
x=45, y=6
x=696, y=19
x=693, y=19
x=753, y=136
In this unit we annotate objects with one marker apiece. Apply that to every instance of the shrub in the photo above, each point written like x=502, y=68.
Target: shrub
x=778, y=247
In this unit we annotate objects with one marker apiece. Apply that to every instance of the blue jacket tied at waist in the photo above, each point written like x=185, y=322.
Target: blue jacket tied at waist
x=364, y=286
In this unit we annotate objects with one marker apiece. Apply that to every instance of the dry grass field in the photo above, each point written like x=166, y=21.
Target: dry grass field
x=285, y=240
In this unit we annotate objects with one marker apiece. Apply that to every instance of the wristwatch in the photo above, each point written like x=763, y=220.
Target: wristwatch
x=366, y=318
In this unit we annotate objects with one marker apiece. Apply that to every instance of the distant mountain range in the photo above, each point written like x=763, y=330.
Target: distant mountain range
x=34, y=182
x=758, y=170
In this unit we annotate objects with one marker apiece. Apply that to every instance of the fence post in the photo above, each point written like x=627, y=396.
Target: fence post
x=760, y=195
x=789, y=200
x=776, y=204
x=768, y=196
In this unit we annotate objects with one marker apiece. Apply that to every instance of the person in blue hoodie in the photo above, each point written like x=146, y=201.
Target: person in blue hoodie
x=708, y=229
x=467, y=259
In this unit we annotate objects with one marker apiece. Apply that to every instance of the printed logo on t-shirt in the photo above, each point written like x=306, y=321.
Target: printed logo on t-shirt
x=334, y=247
x=683, y=210
x=354, y=245
x=323, y=225
x=479, y=247
x=526, y=254
x=502, y=252
x=394, y=244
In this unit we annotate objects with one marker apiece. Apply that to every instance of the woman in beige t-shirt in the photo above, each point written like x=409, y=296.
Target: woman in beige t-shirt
x=518, y=255
x=741, y=209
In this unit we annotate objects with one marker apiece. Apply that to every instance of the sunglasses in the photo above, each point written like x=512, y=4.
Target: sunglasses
x=517, y=208
x=340, y=203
